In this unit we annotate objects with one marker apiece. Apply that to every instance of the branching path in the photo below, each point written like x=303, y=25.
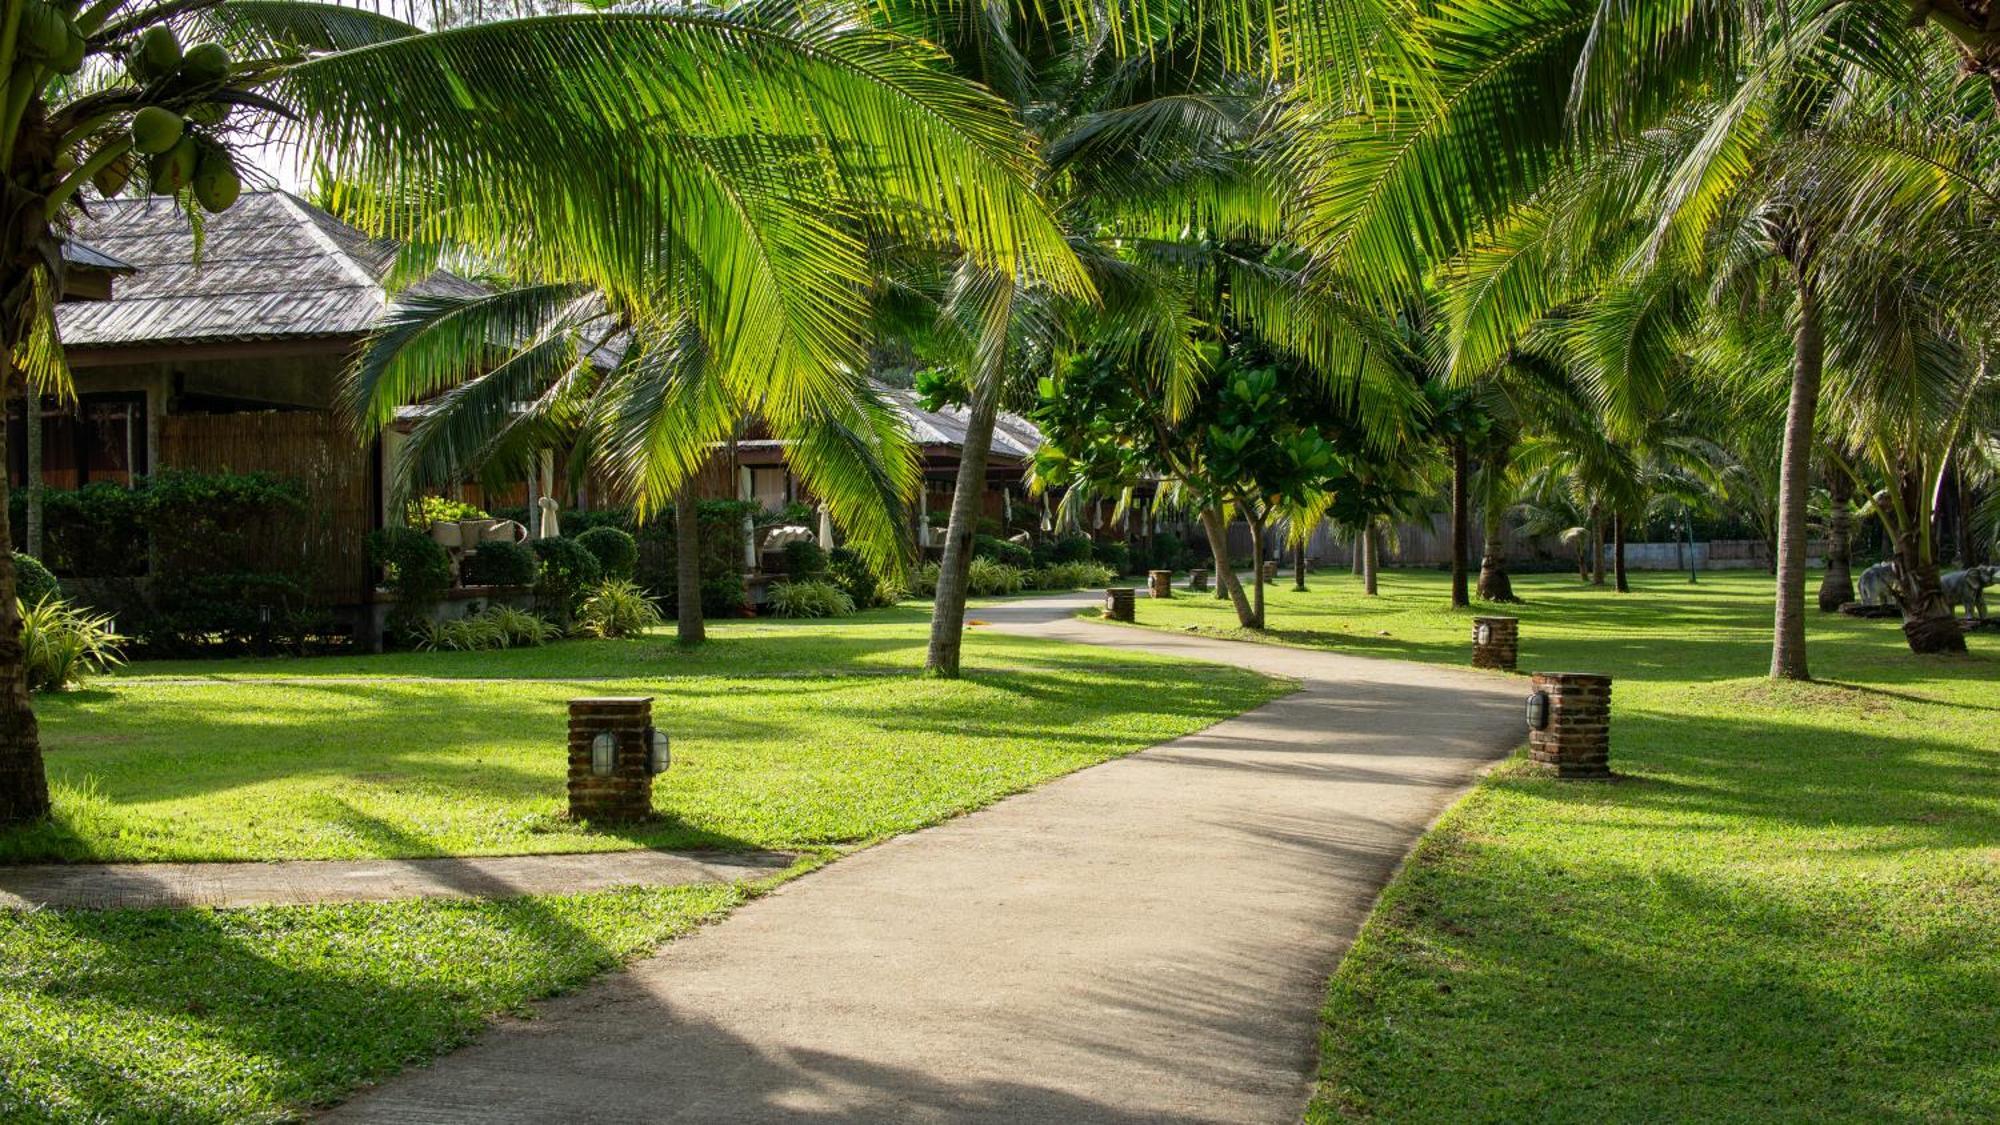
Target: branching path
x=1143, y=941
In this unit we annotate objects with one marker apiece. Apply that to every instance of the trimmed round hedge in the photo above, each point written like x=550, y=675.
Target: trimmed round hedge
x=616, y=551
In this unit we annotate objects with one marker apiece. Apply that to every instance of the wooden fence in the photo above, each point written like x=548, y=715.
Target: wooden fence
x=307, y=446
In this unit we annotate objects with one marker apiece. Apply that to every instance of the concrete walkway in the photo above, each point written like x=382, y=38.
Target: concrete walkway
x=98, y=886
x=1147, y=940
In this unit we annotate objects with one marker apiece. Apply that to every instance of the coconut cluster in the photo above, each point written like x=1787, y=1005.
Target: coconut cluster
x=173, y=148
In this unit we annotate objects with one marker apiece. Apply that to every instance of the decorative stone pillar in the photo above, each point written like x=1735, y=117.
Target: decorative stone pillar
x=1270, y=570
x=1161, y=582
x=1574, y=731
x=1496, y=642
x=1198, y=580
x=624, y=790
x=1118, y=603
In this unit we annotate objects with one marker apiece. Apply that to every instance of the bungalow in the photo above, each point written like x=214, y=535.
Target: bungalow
x=231, y=362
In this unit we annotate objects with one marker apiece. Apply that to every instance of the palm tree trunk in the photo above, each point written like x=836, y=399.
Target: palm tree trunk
x=1494, y=584
x=1596, y=545
x=955, y=568
x=24, y=785
x=1618, y=553
x=1371, y=558
x=1928, y=622
x=1788, y=626
x=688, y=627
x=1354, y=554
x=1226, y=583
x=1836, y=589
x=1299, y=565
x=1461, y=524
x=33, y=411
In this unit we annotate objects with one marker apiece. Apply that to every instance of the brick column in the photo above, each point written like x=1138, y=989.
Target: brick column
x=1576, y=740
x=626, y=793
x=1198, y=579
x=1161, y=583
x=1501, y=645
x=1118, y=603
x=1270, y=570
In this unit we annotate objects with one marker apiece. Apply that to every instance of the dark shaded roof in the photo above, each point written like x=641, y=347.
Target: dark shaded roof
x=82, y=254
x=273, y=267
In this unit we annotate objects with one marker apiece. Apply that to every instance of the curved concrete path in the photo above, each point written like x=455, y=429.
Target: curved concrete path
x=1147, y=940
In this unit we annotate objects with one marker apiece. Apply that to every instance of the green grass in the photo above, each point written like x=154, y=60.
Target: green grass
x=254, y=1015
x=799, y=735
x=1787, y=909
x=785, y=735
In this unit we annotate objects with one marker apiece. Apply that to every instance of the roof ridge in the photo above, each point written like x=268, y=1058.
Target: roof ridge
x=349, y=263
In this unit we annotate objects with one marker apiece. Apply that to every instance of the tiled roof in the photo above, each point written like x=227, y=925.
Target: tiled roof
x=1014, y=437
x=272, y=267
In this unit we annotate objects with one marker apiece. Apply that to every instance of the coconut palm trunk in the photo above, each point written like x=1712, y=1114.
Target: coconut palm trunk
x=1596, y=545
x=1619, y=581
x=688, y=626
x=24, y=786
x=1371, y=558
x=32, y=408
x=1836, y=588
x=955, y=568
x=1494, y=584
x=1929, y=625
x=1257, y=577
x=1461, y=523
x=1299, y=565
x=1788, y=627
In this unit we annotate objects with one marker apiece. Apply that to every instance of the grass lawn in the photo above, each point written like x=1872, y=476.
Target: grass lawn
x=788, y=735
x=1788, y=908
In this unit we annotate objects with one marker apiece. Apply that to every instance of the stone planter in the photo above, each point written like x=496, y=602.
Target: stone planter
x=447, y=534
x=1160, y=583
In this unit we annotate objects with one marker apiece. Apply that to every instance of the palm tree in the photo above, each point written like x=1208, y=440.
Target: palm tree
x=728, y=128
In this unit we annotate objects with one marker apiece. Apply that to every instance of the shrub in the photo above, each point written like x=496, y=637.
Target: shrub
x=33, y=583
x=522, y=629
x=492, y=628
x=424, y=511
x=1072, y=576
x=804, y=560
x=498, y=562
x=617, y=552
x=923, y=580
x=809, y=598
x=62, y=645
x=987, y=578
x=889, y=590
x=1000, y=550
x=1115, y=555
x=1070, y=548
x=617, y=608
x=568, y=572
x=723, y=595
x=416, y=569
x=846, y=569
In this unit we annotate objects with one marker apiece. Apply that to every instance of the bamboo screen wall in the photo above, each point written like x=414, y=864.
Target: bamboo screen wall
x=308, y=446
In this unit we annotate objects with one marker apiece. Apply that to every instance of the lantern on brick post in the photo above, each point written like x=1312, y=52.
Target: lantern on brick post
x=1160, y=583
x=1118, y=603
x=1496, y=642
x=1198, y=580
x=1569, y=724
x=613, y=751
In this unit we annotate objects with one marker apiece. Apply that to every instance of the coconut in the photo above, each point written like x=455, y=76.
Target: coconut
x=205, y=62
x=170, y=171
x=155, y=129
x=216, y=183
x=111, y=179
x=71, y=59
x=44, y=31
x=159, y=54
